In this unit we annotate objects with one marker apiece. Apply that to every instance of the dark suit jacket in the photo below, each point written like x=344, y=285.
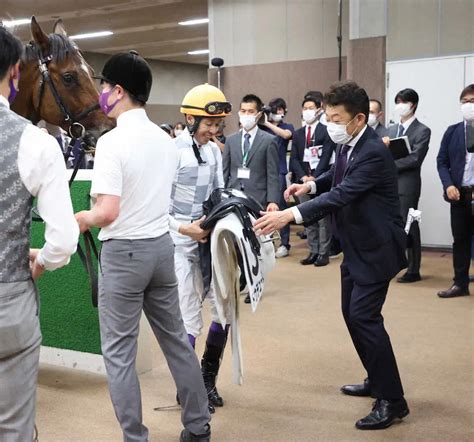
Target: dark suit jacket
x=300, y=168
x=409, y=168
x=366, y=207
x=264, y=182
x=452, y=156
x=381, y=130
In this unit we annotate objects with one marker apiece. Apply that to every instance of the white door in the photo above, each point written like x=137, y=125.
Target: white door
x=438, y=82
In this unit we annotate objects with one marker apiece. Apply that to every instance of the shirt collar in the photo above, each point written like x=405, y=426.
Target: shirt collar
x=4, y=101
x=312, y=125
x=354, y=141
x=407, y=123
x=252, y=132
x=132, y=116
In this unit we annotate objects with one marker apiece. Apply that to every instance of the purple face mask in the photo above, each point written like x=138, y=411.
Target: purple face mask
x=13, y=92
x=103, y=99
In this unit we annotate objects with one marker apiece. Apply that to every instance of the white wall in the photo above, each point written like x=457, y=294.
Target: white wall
x=439, y=82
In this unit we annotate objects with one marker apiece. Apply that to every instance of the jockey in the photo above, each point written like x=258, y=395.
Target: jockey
x=199, y=172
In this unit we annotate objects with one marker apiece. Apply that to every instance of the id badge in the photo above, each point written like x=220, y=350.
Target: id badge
x=243, y=173
x=307, y=155
x=314, y=157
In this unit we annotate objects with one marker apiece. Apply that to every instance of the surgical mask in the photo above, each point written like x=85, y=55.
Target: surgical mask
x=247, y=121
x=309, y=115
x=13, y=91
x=178, y=132
x=467, y=110
x=338, y=132
x=372, y=121
x=104, y=98
x=403, y=109
x=276, y=117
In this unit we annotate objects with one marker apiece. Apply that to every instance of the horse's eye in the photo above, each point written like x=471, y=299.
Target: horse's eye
x=68, y=79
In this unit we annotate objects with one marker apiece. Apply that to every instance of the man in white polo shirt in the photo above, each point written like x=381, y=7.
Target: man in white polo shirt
x=134, y=168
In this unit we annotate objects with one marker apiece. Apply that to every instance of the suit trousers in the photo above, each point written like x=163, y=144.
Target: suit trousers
x=319, y=234
x=362, y=311
x=462, y=227
x=20, y=340
x=138, y=275
x=285, y=232
x=414, y=240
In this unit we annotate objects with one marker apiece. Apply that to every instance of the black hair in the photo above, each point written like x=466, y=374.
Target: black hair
x=379, y=104
x=251, y=98
x=350, y=95
x=408, y=95
x=467, y=90
x=180, y=124
x=166, y=127
x=315, y=96
x=278, y=102
x=11, y=50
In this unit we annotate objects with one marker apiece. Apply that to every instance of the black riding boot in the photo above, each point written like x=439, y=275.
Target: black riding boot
x=210, y=363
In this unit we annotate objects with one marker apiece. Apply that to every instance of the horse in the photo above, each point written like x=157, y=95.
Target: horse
x=56, y=85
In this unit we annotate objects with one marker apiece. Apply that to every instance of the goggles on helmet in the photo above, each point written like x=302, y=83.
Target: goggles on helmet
x=213, y=108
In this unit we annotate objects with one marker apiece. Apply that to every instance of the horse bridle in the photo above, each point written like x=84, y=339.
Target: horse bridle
x=77, y=132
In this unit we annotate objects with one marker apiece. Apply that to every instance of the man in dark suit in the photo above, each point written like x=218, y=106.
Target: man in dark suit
x=307, y=162
x=360, y=192
x=375, y=118
x=409, y=172
x=250, y=158
x=456, y=170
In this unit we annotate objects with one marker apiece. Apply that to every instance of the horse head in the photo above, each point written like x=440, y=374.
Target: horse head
x=56, y=84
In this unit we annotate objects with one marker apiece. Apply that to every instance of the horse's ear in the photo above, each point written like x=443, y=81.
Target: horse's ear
x=40, y=38
x=59, y=28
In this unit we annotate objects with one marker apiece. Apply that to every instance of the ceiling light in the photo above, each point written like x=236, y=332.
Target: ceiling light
x=12, y=23
x=199, y=52
x=91, y=35
x=198, y=21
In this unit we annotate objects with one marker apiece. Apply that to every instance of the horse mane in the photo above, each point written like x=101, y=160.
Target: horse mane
x=61, y=47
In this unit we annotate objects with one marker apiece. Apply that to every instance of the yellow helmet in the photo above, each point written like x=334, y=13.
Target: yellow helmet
x=205, y=101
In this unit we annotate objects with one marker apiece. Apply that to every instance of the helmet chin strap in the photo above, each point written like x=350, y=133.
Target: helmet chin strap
x=192, y=128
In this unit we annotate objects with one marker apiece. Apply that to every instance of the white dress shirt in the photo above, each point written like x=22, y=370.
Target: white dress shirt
x=406, y=125
x=43, y=173
x=312, y=184
x=468, y=176
x=313, y=128
x=135, y=161
x=253, y=133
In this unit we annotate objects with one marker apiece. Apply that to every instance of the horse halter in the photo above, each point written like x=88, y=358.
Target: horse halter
x=76, y=129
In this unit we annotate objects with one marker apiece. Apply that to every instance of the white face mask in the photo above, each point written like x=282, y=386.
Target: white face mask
x=247, y=121
x=338, y=132
x=276, y=117
x=372, y=121
x=178, y=132
x=309, y=115
x=467, y=110
x=403, y=109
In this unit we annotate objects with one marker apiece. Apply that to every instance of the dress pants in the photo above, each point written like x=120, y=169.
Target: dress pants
x=362, y=311
x=462, y=227
x=20, y=340
x=285, y=232
x=413, y=240
x=138, y=275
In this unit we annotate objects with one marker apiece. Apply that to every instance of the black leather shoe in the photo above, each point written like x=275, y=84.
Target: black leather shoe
x=454, y=291
x=247, y=300
x=302, y=235
x=471, y=278
x=409, y=277
x=310, y=259
x=357, y=389
x=187, y=436
x=323, y=260
x=383, y=414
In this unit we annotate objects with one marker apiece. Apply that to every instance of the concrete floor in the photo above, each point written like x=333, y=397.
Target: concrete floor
x=297, y=353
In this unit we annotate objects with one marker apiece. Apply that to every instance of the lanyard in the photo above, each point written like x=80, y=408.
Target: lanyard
x=244, y=159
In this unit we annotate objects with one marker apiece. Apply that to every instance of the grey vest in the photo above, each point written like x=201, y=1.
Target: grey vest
x=15, y=202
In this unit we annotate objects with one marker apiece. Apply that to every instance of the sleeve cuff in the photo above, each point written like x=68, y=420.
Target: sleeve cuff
x=312, y=186
x=297, y=215
x=174, y=225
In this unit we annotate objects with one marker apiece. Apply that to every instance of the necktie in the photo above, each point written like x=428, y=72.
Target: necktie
x=308, y=137
x=401, y=130
x=246, y=144
x=341, y=164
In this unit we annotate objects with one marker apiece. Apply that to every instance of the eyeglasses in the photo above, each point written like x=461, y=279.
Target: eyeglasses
x=214, y=108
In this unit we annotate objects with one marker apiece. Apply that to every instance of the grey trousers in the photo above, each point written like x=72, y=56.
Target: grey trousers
x=319, y=234
x=20, y=340
x=138, y=275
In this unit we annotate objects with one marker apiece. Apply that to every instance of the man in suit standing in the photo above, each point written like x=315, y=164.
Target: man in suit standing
x=360, y=192
x=307, y=162
x=456, y=170
x=375, y=118
x=250, y=159
x=409, y=172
